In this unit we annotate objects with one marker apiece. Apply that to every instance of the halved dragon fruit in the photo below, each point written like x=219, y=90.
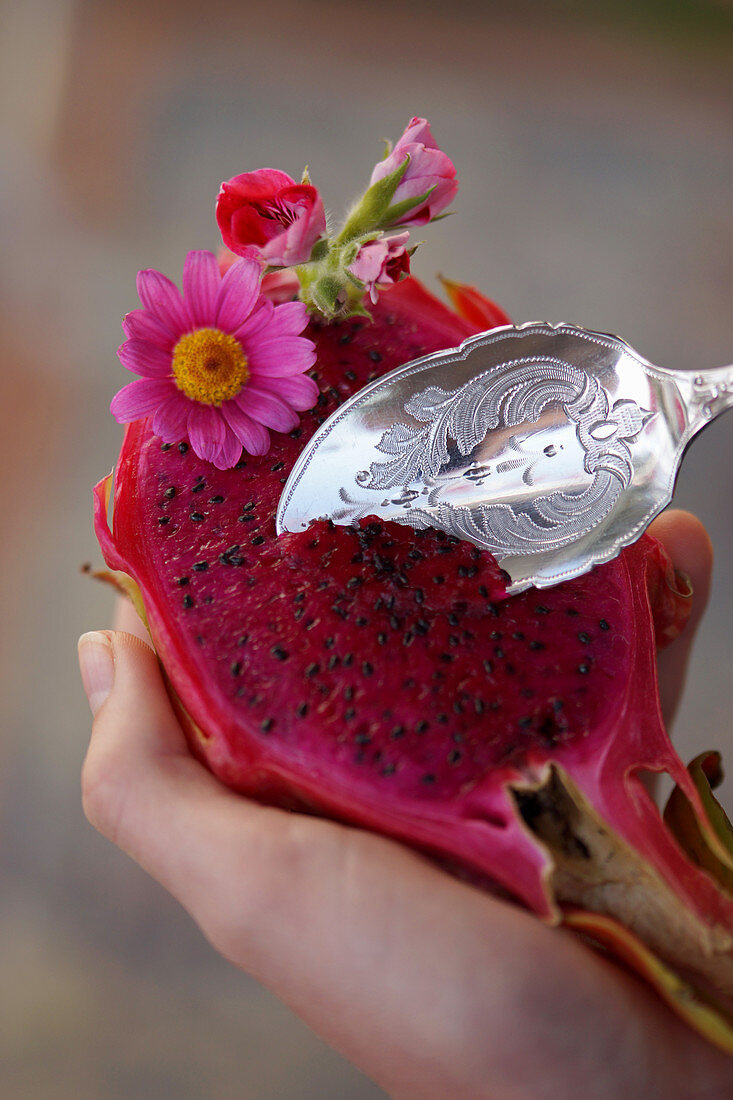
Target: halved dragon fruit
x=380, y=675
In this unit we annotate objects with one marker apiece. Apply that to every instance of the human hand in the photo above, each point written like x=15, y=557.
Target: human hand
x=435, y=989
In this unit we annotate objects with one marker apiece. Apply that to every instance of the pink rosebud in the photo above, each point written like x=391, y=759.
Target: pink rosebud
x=380, y=263
x=429, y=167
x=268, y=215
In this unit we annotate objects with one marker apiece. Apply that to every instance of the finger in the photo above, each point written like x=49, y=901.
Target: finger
x=136, y=750
x=688, y=545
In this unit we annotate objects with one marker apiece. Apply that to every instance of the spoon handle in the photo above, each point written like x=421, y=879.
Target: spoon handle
x=707, y=394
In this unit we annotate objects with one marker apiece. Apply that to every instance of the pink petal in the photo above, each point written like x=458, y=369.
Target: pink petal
x=295, y=244
x=170, y=421
x=230, y=451
x=144, y=358
x=237, y=294
x=290, y=319
x=253, y=436
x=369, y=261
x=201, y=282
x=283, y=356
x=418, y=130
x=267, y=407
x=300, y=391
x=139, y=399
x=433, y=175
x=141, y=325
x=258, y=320
x=163, y=299
x=206, y=430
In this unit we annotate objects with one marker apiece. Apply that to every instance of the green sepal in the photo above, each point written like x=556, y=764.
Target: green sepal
x=319, y=251
x=355, y=308
x=407, y=206
x=358, y=283
x=371, y=211
x=325, y=293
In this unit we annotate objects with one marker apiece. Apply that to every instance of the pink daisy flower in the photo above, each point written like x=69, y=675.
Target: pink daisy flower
x=220, y=363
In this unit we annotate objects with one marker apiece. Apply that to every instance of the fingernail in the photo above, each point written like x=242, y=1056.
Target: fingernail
x=678, y=582
x=683, y=584
x=97, y=667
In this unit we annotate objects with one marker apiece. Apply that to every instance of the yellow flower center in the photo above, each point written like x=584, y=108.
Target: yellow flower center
x=209, y=366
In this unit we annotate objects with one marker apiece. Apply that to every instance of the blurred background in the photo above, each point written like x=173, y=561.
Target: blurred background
x=593, y=144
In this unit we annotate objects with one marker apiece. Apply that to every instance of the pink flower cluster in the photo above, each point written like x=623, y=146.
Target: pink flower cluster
x=223, y=363
x=267, y=214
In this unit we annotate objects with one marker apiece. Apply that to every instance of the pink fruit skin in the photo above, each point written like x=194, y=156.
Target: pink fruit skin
x=306, y=667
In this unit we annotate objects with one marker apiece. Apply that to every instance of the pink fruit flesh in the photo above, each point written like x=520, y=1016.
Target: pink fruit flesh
x=381, y=675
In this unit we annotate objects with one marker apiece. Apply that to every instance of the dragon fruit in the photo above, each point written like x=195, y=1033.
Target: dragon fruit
x=381, y=676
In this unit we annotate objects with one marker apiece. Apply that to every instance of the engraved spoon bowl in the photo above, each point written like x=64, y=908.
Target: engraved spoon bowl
x=549, y=445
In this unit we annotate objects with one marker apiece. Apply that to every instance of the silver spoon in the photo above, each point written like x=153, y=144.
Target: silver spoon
x=549, y=445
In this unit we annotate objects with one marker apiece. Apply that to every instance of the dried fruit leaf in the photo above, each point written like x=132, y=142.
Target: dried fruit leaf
x=592, y=868
x=700, y=1012
x=707, y=840
x=125, y=585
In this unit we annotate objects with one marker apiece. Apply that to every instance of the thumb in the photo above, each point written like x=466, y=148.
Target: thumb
x=219, y=854
x=138, y=766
